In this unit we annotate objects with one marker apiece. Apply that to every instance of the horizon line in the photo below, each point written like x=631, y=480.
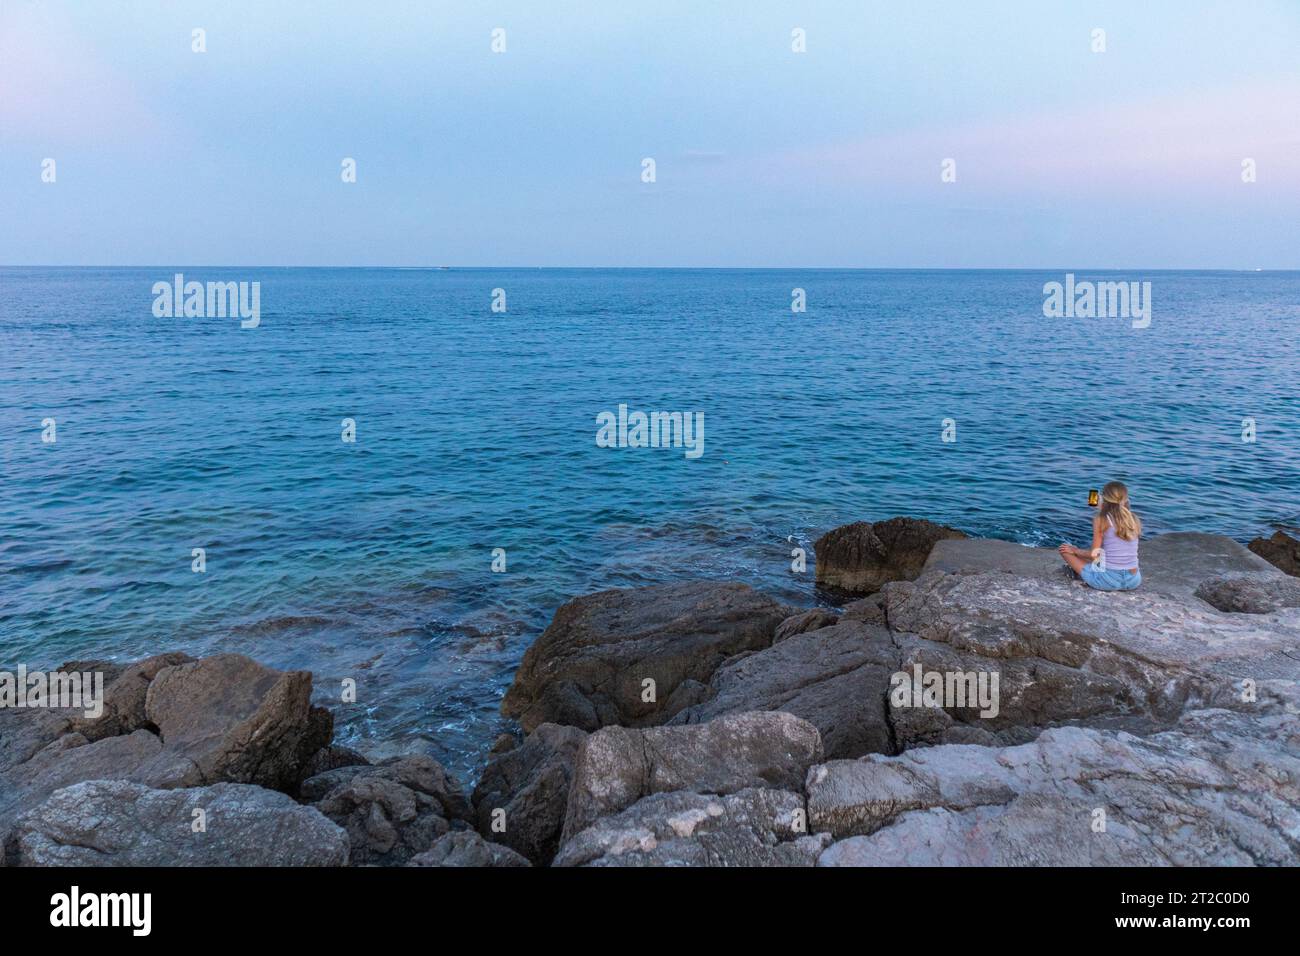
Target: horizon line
x=678, y=268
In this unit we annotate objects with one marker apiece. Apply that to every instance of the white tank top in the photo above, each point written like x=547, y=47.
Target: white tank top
x=1120, y=554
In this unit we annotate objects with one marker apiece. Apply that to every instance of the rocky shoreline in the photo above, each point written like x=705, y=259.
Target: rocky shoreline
x=704, y=723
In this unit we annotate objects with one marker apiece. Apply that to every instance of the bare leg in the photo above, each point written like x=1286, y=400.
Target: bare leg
x=1075, y=562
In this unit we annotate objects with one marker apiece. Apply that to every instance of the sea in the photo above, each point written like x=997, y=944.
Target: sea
x=174, y=482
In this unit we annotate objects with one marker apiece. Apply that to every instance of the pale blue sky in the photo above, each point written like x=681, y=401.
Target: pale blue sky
x=1065, y=158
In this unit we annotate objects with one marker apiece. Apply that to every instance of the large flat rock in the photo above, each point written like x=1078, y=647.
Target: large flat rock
x=1172, y=653
x=68, y=760
x=1173, y=564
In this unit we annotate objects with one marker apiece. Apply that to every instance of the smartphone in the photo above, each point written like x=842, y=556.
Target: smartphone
x=1092, y=497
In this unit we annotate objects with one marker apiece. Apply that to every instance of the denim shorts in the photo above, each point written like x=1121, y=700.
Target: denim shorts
x=1110, y=580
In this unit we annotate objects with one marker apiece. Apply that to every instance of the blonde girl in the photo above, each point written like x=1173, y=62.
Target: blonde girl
x=1111, y=564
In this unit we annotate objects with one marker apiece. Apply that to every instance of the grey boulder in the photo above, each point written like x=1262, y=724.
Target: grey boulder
x=836, y=678
x=229, y=718
x=618, y=766
x=1250, y=595
x=590, y=667
x=1281, y=550
x=118, y=823
x=521, y=798
x=862, y=557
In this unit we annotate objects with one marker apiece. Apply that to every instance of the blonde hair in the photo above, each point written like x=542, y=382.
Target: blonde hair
x=1115, y=509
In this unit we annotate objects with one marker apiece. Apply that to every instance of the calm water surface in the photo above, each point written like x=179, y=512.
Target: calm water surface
x=476, y=431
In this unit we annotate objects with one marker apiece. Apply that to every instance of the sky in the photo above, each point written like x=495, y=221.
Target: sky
x=763, y=156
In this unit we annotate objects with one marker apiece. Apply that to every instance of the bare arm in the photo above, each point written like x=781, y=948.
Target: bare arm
x=1098, y=529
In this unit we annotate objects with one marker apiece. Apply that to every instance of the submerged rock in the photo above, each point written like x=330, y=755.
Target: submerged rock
x=118, y=823
x=590, y=667
x=863, y=556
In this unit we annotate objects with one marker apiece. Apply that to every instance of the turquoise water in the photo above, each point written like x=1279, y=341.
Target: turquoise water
x=476, y=430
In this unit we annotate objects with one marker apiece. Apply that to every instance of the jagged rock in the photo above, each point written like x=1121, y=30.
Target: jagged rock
x=118, y=823
x=124, y=698
x=863, y=557
x=24, y=732
x=1250, y=595
x=467, y=848
x=391, y=810
x=1281, y=550
x=836, y=678
x=803, y=622
x=618, y=766
x=752, y=827
x=332, y=758
x=531, y=785
x=167, y=721
x=869, y=610
x=230, y=719
x=1222, y=788
x=587, y=669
